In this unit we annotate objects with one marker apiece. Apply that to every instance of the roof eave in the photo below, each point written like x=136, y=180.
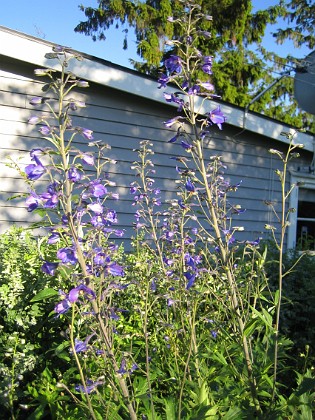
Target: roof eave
x=19, y=46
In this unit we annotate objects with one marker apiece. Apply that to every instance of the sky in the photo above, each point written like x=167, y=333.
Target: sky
x=55, y=20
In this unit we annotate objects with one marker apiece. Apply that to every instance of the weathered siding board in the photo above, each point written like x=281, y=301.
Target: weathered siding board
x=122, y=121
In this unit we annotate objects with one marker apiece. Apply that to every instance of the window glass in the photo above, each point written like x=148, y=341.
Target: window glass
x=305, y=232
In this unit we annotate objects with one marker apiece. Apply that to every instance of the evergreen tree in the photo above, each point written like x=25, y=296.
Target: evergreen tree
x=300, y=15
x=241, y=69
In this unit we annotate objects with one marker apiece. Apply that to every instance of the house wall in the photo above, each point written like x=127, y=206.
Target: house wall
x=123, y=120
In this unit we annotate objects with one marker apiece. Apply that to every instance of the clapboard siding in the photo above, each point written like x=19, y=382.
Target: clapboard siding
x=123, y=120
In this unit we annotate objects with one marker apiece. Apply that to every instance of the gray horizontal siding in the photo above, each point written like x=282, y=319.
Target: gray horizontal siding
x=123, y=121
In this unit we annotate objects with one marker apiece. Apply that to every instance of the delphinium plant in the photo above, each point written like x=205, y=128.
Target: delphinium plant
x=183, y=326
x=74, y=206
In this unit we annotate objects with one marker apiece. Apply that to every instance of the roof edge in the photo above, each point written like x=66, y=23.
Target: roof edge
x=27, y=48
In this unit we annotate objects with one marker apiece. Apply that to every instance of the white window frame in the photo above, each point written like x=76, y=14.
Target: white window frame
x=307, y=181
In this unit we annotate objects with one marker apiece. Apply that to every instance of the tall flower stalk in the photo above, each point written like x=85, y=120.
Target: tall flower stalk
x=192, y=130
x=81, y=222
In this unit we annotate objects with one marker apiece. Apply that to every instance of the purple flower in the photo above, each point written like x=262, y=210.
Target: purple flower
x=45, y=130
x=96, y=208
x=207, y=85
x=207, y=66
x=53, y=238
x=37, y=100
x=88, y=134
x=114, y=196
x=50, y=198
x=96, y=189
x=206, y=34
x=49, y=268
x=98, y=221
x=80, y=346
x=67, y=255
x=34, y=120
x=101, y=258
x=34, y=171
x=172, y=121
x=194, y=90
x=90, y=386
x=163, y=80
x=111, y=217
x=115, y=269
x=74, y=174
x=74, y=105
x=32, y=201
x=36, y=152
x=191, y=277
x=170, y=97
x=173, y=64
x=88, y=159
x=122, y=369
x=170, y=302
x=186, y=145
x=62, y=306
x=217, y=117
x=189, y=186
x=80, y=290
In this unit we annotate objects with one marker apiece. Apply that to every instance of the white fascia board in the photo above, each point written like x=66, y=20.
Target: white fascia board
x=32, y=50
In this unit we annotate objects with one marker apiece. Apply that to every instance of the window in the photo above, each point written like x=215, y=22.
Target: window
x=301, y=232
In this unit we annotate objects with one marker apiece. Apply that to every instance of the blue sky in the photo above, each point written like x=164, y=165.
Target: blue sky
x=54, y=20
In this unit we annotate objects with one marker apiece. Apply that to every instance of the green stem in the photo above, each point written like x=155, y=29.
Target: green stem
x=71, y=327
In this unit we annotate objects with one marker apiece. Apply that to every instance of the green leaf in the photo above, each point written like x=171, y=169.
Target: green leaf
x=307, y=385
x=250, y=327
x=234, y=413
x=44, y=294
x=276, y=298
x=170, y=410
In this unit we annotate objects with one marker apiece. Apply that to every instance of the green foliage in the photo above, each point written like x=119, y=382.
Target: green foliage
x=298, y=311
x=26, y=332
